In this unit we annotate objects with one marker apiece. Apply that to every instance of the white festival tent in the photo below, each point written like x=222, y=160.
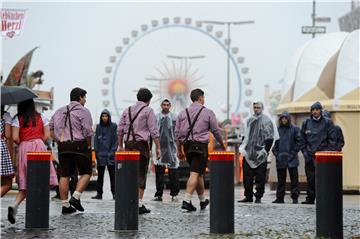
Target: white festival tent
x=326, y=69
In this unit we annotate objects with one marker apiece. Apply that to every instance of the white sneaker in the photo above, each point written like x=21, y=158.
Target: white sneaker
x=174, y=199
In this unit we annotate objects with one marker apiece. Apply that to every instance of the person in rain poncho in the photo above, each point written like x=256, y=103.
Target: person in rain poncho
x=105, y=145
x=260, y=133
x=166, y=121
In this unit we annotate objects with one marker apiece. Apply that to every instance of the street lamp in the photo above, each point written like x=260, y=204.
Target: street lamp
x=160, y=80
x=228, y=55
x=185, y=58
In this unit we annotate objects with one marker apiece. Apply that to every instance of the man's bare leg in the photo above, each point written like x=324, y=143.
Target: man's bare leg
x=64, y=191
x=83, y=182
x=80, y=187
x=192, y=183
x=141, y=193
x=6, y=184
x=191, y=186
x=64, y=188
x=200, y=188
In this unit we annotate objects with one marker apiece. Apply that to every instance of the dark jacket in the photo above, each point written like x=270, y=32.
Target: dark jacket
x=317, y=135
x=105, y=141
x=286, y=148
x=340, y=142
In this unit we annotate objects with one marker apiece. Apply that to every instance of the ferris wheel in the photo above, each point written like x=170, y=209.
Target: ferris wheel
x=113, y=71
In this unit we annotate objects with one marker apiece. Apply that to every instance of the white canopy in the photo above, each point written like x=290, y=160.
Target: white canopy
x=347, y=70
x=313, y=60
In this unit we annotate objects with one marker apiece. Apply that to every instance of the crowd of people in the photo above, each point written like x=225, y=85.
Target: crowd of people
x=317, y=133
x=176, y=137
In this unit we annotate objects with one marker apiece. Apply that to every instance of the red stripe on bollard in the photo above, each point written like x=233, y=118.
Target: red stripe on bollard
x=222, y=156
x=127, y=155
x=39, y=156
x=328, y=157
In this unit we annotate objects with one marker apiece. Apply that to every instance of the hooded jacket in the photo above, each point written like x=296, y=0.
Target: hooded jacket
x=105, y=141
x=317, y=135
x=340, y=142
x=287, y=147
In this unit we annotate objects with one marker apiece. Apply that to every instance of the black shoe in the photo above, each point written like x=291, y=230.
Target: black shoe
x=157, y=199
x=188, y=206
x=68, y=210
x=76, y=204
x=11, y=214
x=143, y=210
x=308, y=202
x=278, y=200
x=246, y=200
x=204, y=204
x=258, y=200
x=295, y=201
x=97, y=196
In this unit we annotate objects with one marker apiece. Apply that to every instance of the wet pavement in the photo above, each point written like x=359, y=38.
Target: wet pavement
x=166, y=220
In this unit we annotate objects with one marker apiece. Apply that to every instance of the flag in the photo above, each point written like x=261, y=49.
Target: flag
x=18, y=73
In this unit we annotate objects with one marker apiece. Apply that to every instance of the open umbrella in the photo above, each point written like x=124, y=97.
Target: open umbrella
x=14, y=94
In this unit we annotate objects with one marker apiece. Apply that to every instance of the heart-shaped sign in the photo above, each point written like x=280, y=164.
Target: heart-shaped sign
x=10, y=34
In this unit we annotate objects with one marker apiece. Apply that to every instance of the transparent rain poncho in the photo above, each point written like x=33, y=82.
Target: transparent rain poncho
x=167, y=142
x=259, y=128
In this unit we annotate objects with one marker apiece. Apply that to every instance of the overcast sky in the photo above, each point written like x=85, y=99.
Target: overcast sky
x=76, y=40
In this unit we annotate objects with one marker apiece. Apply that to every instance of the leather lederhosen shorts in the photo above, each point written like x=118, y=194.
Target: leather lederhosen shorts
x=74, y=156
x=196, y=155
x=143, y=148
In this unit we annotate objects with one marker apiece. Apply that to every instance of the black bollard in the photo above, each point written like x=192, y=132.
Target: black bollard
x=127, y=190
x=38, y=190
x=329, y=198
x=221, y=192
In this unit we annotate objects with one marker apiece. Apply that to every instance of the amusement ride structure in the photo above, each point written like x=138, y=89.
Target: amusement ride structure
x=177, y=81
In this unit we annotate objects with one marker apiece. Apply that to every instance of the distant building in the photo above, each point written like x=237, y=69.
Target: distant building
x=351, y=21
x=332, y=77
x=271, y=99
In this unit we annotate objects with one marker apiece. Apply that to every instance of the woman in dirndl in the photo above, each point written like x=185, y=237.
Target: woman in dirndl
x=30, y=130
x=7, y=171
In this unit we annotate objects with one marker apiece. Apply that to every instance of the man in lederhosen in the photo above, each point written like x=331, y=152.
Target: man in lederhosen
x=137, y=124
x=71, y=128
x=192, y=131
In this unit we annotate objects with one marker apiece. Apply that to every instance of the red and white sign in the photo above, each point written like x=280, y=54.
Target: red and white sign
x=12, y=21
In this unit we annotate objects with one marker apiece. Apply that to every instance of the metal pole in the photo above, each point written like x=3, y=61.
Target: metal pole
x=222, y=192
x=127, y=193
x=186, y=69
x=329, y=199
x=38, y=190
x=313, y=17
x=228, y=76
x=237, y=164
